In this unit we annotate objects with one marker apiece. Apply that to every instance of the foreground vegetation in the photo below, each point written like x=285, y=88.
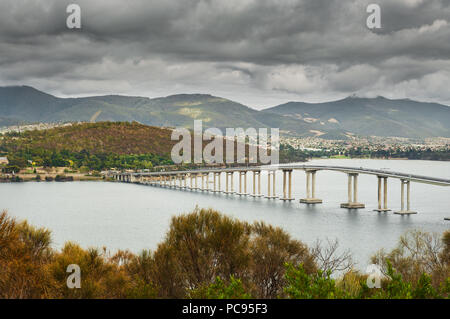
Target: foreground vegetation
x=209, y=255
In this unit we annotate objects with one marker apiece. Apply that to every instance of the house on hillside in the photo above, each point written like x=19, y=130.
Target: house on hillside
x=4, y=160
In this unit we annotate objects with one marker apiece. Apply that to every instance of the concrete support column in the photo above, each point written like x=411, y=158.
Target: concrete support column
x=308, y=185
x=226, y=182
x=259, y=183
x=379, y=193
x=350, y=178
x=254, y=184
x=245, y=182
x=218, y=176
x=240, y=184
x=408, y=198
x=408, y=210
x=290, y=185
x=232, y=182
x=353, y=198
x=355, y=188
x=273, y=184
x=313, y=182
x=385, y=194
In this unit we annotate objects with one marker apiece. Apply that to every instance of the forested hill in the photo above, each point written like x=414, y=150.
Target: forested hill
x=96, y=138
x=94, y=146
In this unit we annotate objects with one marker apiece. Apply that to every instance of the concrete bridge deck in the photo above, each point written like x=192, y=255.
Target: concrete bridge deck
x=343, y=169
x=178, y=180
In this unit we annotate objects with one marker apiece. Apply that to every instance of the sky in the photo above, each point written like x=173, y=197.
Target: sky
x=257, y=52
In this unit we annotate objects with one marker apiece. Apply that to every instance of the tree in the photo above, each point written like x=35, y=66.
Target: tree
x=220, y=289
x=301, y=285
x=416, y=253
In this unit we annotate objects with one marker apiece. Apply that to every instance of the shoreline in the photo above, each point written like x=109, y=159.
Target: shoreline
x=78, y=177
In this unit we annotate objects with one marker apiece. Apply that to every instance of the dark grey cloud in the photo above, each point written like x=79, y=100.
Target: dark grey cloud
x=259, y=52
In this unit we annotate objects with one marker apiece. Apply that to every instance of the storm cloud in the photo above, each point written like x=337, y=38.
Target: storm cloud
x=258, y=52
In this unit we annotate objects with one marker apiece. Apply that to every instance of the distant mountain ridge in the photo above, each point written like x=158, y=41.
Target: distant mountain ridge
x=333, y=120
x=373, y=116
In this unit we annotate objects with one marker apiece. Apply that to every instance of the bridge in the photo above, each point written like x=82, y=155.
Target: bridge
x=179, y=180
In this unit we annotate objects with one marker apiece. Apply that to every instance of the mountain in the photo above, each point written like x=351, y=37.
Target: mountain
x=330, y=120
x=373, y=116
x=30, y=105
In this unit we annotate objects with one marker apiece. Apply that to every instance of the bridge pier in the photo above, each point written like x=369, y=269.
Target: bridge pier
x=353, y=200
x=206, y=189
x=408, y=210
x=226, y=184
x=256, y=194
x=273, y=195
x=227, y=189
x=195, y=182
x=287, y=189
x=382, y=180
x=180, y=181
x=190, y=182
x=215, y=184
x=242, y=176
x=310, y=189
x=219, y=182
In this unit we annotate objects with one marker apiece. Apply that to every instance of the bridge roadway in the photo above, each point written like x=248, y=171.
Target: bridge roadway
x=170, y=179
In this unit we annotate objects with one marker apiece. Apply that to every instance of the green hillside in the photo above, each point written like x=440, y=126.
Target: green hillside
x=93, y=145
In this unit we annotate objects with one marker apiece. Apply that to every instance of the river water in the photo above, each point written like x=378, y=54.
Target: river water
x=136, y=217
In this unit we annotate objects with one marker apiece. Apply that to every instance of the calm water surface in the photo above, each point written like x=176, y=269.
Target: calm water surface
x=136, y=217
